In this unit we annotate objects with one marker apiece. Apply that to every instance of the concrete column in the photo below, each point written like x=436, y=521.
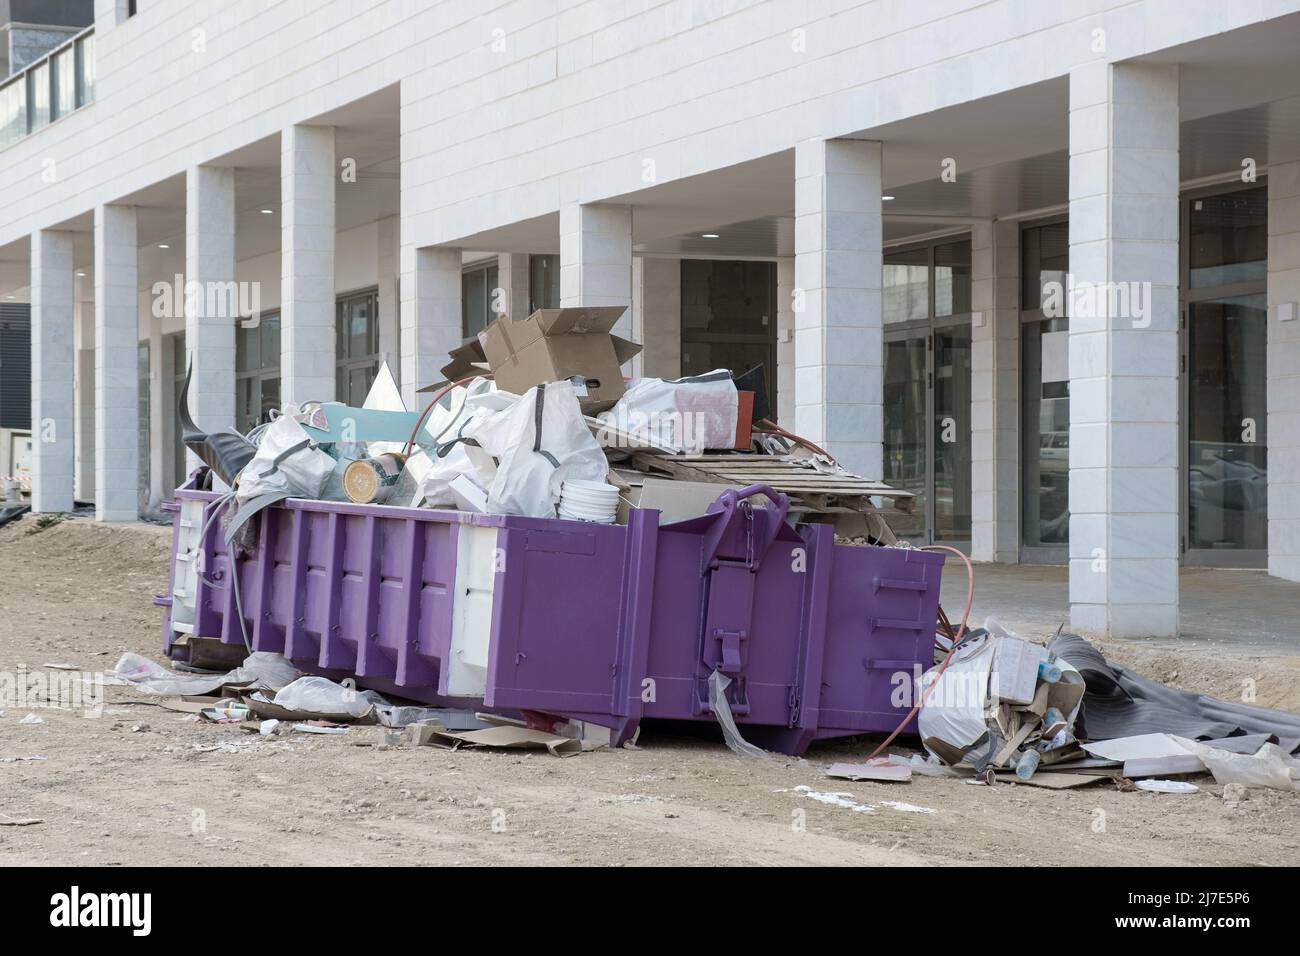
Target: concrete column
x=596, y=258
x=785, y=358
x=53, y=431
x=839, y=350
x=84, y=397
x=209, y=323
x=159, y=408
x=307, y=264
x=657, y=316
x=1124, y=435
x=431, y=316
x=389, y=305
x=1283, y=427
x=995, y=392
x=117, y=374
x=512, y=281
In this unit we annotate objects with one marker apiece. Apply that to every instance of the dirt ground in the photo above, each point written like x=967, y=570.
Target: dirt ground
x=141, y=785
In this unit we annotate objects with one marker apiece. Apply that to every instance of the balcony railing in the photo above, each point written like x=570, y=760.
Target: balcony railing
x=57, y=84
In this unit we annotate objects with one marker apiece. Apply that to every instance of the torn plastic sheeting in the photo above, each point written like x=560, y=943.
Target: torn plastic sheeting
x=260, y=669
x=1269, y=767
x=1121, y=703
x=718, y=684
x=685, y=414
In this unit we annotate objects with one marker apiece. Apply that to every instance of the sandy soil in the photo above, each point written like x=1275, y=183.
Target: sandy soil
x=142, y=785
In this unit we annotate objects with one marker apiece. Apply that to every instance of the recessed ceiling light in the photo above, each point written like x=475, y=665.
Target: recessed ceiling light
x=82, y=274
x=709, y=235
x=886, y=198
x=8, y=297
x=163, y=245
x=268, y=212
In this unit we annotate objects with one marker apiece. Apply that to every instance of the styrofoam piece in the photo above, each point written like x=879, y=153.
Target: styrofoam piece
x=471, y=627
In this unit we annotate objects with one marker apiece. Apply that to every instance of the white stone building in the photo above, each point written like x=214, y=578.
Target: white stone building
x=1036, y=261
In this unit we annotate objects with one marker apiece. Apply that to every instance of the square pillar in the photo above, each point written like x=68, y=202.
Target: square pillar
x=84, y=396
x=596, y=258
x=995, y=392
x=161, y=415
x=387, y=268
x=432, y=324
x=839, y=349
x=1283, y=374
x=307, y=264
x=1124, y=355
x=53, y=429
x=511, y=296
x=117, y=375
x=785, y=359
x=657, y=316
x=209, y=279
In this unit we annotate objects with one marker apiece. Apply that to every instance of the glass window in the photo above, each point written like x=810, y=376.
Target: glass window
x=952, y=447
x=543, y=282
x=1227, y=455
x=356, y=346
x=478, y=296
x=38, y=97
x=1045, y=262
x=1228, y=238
x=952, y=278
x=1045, y=432
x=906, y=467
x=13, y=111
x=64, y=65
x=85, y=69
x=907, y=285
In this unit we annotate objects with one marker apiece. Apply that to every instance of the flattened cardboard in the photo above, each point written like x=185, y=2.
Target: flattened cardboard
x=511, y=737
x=555, y=344
x=466, y=360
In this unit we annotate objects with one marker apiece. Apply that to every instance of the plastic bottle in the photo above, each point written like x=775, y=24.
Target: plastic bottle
x=1027, y=764
x=1049, y=671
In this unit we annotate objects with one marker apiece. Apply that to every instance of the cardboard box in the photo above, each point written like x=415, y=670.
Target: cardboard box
x=555, y=344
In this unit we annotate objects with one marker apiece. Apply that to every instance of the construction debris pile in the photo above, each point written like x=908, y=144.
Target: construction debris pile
x=544, y=554
x=535, y=419
x=997, y=707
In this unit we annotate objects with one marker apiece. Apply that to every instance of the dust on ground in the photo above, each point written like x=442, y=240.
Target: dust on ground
x=142, y=785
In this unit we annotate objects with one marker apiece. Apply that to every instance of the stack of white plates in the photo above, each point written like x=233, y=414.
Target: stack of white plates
x=588, y=501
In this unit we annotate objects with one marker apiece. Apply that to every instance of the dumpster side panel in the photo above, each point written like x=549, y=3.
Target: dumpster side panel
x=880, y=633
x=556, y=616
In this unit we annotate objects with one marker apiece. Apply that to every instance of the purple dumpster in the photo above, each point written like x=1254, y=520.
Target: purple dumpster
x=604, y=623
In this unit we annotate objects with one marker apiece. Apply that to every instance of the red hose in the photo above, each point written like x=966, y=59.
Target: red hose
x=943, y=666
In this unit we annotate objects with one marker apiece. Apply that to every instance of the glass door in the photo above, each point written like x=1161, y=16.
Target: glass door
x=1044, y=398
x=1225, y=343
x=729, y=318
x=927, y=389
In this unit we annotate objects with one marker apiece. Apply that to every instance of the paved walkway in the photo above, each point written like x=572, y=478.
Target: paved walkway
x=1246, y=610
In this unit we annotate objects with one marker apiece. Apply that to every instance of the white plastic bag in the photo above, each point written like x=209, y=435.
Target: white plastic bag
x=539, y=442
x=956, y=711
x=320, y=695
x=287, y=460
x=261, y=669
x=685, y=414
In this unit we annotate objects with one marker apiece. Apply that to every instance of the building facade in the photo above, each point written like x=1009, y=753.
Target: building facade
x=1036, y=262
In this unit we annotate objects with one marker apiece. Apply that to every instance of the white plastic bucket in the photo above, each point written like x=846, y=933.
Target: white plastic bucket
x=588, y=501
